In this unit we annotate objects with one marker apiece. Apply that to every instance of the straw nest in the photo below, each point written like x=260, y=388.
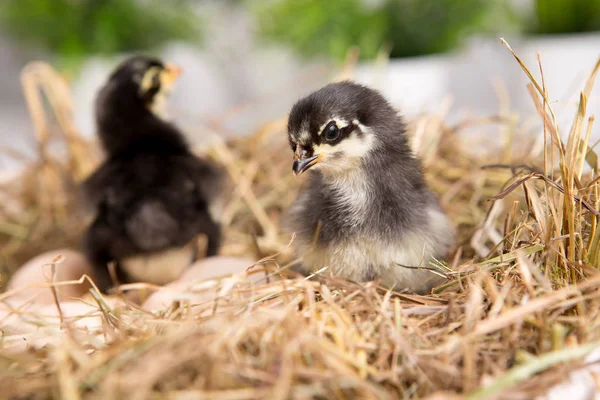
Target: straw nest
x=519, y=308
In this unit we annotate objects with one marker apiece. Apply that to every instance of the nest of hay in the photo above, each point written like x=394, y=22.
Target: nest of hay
x=519, y=308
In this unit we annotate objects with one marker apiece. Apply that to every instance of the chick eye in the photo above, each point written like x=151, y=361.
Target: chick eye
x=332, y=132
x=155, y=80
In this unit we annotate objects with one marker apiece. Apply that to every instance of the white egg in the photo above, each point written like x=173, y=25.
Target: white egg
x=201, y=282
x=36, y=325
x=30, y=281
x=216, y=267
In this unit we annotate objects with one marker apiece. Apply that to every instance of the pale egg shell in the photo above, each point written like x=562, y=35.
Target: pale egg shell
x=37, y=271
x=36, y=325
x=199, y=284
x=216, y=267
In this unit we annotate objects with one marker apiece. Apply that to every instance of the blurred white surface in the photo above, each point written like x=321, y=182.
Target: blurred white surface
x=581, y=384
x=475, y=78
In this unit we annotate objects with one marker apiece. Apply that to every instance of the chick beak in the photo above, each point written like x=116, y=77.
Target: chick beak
x=171, y=73
x=301, y=165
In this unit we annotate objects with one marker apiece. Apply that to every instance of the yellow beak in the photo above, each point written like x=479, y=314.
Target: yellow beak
x=170, y=73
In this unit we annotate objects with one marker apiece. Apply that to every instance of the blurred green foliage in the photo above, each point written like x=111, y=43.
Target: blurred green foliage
x=566, y=16
x=410, y=27
x=74, y=29
x=417, y=27
x=77, y=28
x=323, y=27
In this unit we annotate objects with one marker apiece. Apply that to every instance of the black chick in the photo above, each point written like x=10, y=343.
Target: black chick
x=151, y=195
x=366, y=212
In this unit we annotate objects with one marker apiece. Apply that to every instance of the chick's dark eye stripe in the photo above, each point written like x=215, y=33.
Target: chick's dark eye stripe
x=347, y=130
x=343, y=133
x=155, y=81
x=153, y=90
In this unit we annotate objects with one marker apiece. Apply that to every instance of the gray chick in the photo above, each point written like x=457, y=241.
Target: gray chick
x=366, y=212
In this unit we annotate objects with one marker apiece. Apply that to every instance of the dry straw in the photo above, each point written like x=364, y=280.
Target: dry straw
x=520, y=308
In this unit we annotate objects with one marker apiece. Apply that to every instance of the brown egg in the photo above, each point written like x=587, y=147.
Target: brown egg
x=199, y=283
x=70, y=265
